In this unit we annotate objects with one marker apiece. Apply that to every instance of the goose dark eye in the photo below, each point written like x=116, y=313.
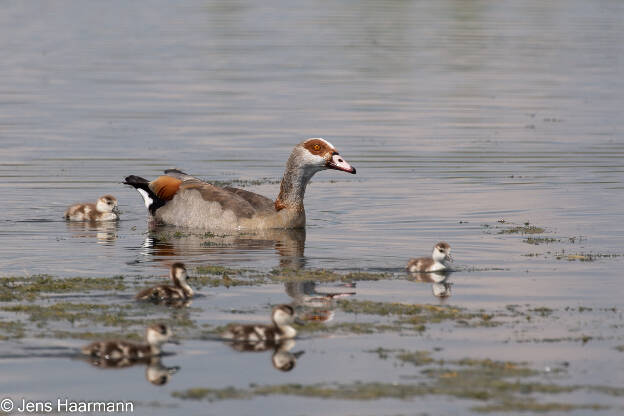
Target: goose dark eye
x=317, y=147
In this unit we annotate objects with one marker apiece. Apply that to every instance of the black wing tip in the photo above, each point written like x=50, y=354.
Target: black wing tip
x=134, y=180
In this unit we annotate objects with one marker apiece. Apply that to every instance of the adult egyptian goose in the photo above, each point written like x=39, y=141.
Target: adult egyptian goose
x=183, y=200
x=105, y=209
x=438, y=261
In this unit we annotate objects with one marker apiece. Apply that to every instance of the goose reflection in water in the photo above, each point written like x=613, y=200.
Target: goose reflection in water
x=313, y=305
x=440, y=287
x=282, y=358
x=168, y=241
x=155, y=372
x=104, y=231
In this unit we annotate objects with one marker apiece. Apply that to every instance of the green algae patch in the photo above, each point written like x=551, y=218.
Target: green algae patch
x=355, y=391
x=523, y=229
x=227, y=393
x=214, y=276
x=584, y=339
x=418, y=315
x=165, y=236
x=107, y=315
x=511, y=228
x=226, y=281
x=416, y=358
x=479, y=371
x=323, y=275
x=217, y=270
x=542, y=311
x=395, y=308
x=584, y=256
x=536, y=241
x=356, y=328
x=525, y=405
x=11, y=330
x=103, y=315
x=31, y=288
x=499, y=386
x=499, y=393
x=467, y=366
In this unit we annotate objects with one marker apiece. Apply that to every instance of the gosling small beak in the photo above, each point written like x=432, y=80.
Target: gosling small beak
x=449, y=257
x=298, y=353
x=116, y=210
x=338, y=163
x=173, y=370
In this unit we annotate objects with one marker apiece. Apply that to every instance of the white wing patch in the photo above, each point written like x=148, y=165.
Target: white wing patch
x=146, y=198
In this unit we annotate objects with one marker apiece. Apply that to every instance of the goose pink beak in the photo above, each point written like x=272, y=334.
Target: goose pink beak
x=338, y=163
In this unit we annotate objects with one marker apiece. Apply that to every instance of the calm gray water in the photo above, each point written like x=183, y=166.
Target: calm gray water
x=456, y=114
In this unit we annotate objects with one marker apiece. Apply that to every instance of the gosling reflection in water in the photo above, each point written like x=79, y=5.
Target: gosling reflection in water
x=439, y=285
x=282, y=359
x=155, y=372
x=105, y=232
x=315, y=306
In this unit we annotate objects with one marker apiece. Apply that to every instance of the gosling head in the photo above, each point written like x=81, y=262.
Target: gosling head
x=179, y=277
x=178, y=272
x=157, y=334
x=442, y=252
x=107, y=203
x=283, y=315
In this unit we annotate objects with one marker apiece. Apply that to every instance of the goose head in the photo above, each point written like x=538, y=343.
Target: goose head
x=317, y=154
x=307, y=158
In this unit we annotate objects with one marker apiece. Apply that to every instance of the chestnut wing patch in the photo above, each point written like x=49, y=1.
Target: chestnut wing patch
x=165, y=187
